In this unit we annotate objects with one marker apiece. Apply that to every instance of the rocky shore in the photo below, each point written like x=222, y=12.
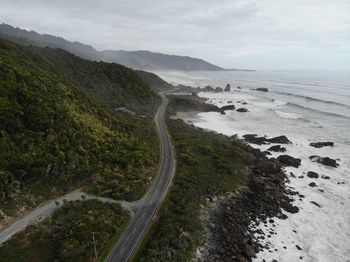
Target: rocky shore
x=231, y=221
x=248, y=221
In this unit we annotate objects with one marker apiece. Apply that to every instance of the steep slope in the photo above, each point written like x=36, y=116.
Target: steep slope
x=109, y=83
x=58, y=129
x=144, y=60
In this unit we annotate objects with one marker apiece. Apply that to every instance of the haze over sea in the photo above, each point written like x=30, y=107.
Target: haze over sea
x=306, y=107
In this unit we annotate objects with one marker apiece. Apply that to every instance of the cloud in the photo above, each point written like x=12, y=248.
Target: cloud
x=289, y=34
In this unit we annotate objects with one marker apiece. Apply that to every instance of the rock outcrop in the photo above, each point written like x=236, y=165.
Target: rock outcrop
x=321, y=144
x=230, y=234
x=228, y=107
x=255, y=139
x=242, y=110
x=262, y=140
x=262, y=89
x=279, y=140
x=324, y=161
x=208, y=89
x=312, y=174
x=277, y=148
x=287, y=160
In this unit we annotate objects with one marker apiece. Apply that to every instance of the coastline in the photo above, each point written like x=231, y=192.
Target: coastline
x=232, y=221
x=321, y=200
x=225, y=213
x=219, y=227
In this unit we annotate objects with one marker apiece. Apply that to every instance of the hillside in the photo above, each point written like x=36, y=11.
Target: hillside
x=143, y=60
x=154, y=81
x=59, y=129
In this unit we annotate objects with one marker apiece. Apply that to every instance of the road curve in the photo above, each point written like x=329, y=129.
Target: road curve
x=131, y=237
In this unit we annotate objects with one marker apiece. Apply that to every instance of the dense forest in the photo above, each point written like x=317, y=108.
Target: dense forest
x=59, y=127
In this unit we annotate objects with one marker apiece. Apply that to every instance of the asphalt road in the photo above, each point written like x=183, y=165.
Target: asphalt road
x=131, y=237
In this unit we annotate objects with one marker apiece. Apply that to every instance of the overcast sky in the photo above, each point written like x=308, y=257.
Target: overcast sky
x=259, y=34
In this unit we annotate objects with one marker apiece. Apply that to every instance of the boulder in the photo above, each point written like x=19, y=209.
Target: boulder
x=260, y=140
x=321, y=144
x=227, y=88
x=324, y=161
x=312, y=174
x=266, y=167
x=208, y=89
x=287, y=160
x=290, y=208
x=279, y=140
x=228, y=107
x=218, y=89
x=277, y=148
x=242, y=110
x=255, y=139
x=315, y=203
x=262, y=89
x=313, y=184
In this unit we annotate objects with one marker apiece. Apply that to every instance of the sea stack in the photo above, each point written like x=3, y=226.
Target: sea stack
x=227, y=88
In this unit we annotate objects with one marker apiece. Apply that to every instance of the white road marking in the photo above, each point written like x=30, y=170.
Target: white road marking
x=121, y=250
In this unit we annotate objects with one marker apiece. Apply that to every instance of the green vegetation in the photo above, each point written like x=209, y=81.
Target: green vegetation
x=187, y=103
x=208, y=165
x=59, y=129
x=154, y=81
x=66, y=236
x=108, y=83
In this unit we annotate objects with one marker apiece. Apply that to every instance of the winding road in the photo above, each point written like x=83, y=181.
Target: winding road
x=131, y=237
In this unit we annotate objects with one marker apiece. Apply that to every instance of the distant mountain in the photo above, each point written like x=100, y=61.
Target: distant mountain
x=144, y=60
x=43, y=40
x=156, y=61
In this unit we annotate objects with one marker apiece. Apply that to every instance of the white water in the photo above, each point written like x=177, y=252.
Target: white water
x=306, y=107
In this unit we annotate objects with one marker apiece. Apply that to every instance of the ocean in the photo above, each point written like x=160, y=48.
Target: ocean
x=306, y=107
